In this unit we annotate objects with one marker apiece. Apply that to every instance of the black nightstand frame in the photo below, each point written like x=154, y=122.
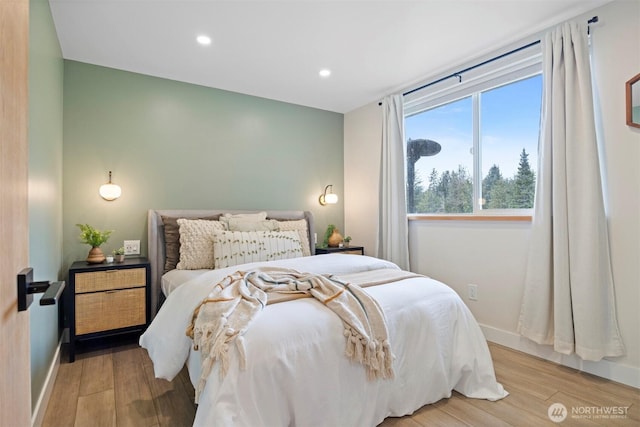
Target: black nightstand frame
x=345, y=249
x=70, y=294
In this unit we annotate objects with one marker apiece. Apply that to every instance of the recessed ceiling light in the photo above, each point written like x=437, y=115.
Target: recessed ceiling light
x=325, y=73
x=204, y=40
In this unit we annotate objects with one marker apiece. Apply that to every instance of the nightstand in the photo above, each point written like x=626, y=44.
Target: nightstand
x=356, y=250
x=107, y=299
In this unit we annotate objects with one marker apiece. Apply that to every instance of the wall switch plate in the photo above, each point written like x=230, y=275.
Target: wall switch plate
x=473, y=292
x=132, y=247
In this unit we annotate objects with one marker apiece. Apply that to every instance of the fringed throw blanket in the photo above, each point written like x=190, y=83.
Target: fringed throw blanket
x=225, y=315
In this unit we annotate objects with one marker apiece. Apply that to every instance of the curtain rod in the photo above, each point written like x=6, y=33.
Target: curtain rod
x=458, y=74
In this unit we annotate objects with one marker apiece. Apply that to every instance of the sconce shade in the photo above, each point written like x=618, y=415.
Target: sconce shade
x=331, y=199
x=110, y=191
x=328, y=198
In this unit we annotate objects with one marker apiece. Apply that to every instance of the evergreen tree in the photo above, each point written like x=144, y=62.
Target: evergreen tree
x=494, y=176
x=443, y=189
x=501, y=197
x=452, y=191
x=524, y=184
x=459, y=191
x=434, y=202
x=419, y=196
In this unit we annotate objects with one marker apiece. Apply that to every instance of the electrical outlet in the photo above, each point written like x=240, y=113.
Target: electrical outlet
x=132, y=247
x=473, y=292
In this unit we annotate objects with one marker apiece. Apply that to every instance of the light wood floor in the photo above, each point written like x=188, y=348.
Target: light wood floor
x=115, y=387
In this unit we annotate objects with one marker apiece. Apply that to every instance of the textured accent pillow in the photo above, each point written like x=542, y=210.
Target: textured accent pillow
x=301, y=227
x=240, y=247
x=172, y=240
x=242, y=224
x=260, y=216
x=196, y=243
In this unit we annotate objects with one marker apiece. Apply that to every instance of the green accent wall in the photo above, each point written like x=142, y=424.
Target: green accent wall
x=174, y=145
x=46, y=69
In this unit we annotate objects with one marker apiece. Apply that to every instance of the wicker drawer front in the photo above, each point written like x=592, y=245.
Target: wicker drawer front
x=110, y=279
x=102, y=311
x=353, y=252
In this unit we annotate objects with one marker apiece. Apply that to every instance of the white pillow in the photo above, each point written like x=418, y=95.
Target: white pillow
x=242, y=224
x=301, y=227
x=255, y=216
x=260, y=216
x=196, y=243
x=240, y=247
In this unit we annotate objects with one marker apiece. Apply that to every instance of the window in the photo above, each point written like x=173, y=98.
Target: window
x=472, y=148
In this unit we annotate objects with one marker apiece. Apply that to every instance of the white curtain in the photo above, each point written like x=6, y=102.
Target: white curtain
x=569, y=296
x=393, y=241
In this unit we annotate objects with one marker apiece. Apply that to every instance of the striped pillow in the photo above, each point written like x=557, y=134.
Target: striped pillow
x=240, y=247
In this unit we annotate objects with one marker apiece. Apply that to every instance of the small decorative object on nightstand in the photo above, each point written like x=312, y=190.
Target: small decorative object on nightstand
x=94, y=238
x=119, y=254
x=356, y=250
x=106, y=299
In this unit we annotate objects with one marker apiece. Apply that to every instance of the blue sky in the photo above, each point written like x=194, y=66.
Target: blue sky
x=509, y=122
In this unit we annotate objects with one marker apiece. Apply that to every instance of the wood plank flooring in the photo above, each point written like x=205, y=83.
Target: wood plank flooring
x=115, y=386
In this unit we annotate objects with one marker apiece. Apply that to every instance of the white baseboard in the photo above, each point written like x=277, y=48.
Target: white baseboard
x=37, y=417
x=606, y=368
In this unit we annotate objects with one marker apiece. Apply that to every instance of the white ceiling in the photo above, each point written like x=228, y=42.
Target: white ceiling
x=275, y=49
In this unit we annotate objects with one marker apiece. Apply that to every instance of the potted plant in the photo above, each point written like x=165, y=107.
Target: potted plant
x=346, y=241
x=332, y=237
x=327, y=234
x=94, y=238
x=119, y=254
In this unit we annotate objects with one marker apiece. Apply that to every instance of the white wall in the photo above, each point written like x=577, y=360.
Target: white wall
x=616, y=48
x=493, y=255
x=362, y=130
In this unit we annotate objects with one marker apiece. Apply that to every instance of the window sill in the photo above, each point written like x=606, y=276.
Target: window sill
x=523, y=218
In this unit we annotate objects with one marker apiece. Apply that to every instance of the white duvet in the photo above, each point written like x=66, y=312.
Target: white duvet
x=296, y=372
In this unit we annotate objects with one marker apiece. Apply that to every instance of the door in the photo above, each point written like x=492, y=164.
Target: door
x=15, y=393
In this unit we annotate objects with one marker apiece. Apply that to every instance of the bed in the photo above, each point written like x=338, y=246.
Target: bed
x=293, y=370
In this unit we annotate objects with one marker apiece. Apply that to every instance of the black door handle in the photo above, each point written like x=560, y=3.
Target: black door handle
x=27, y=287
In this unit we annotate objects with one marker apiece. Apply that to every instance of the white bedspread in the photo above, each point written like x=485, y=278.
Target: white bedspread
x=297, y=373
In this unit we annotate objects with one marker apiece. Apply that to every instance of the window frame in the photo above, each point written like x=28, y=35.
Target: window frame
x=507, y=70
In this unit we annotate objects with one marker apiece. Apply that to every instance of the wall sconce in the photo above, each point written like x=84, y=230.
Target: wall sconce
x=110, y=191
x=328, y=198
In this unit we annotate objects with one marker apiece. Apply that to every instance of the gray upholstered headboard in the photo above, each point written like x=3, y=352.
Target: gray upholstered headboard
x=156, y=241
